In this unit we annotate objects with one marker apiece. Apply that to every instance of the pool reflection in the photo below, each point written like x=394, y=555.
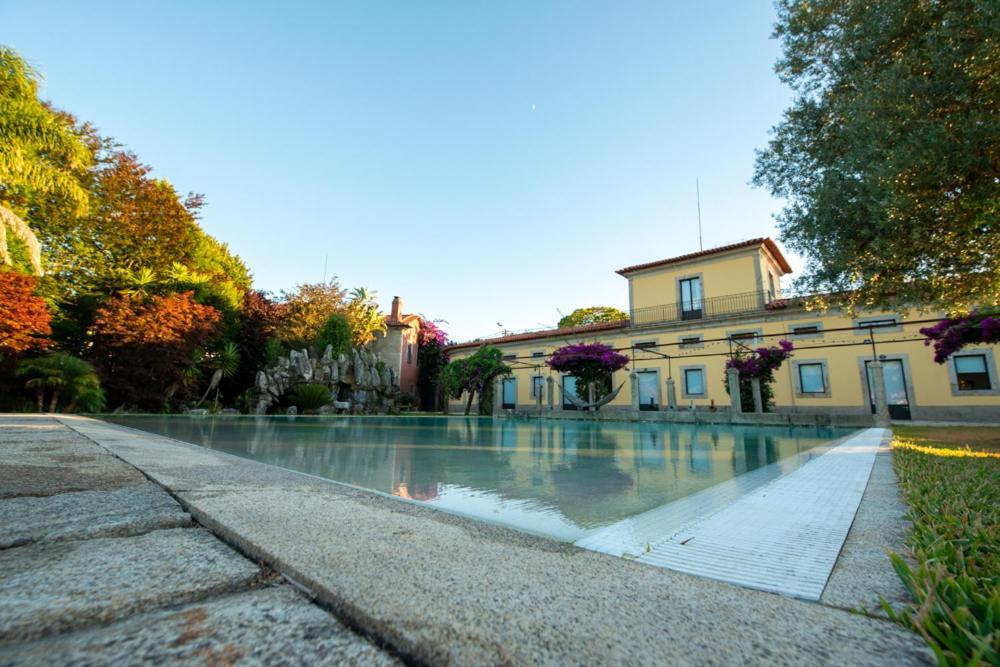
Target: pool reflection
x=559, y=478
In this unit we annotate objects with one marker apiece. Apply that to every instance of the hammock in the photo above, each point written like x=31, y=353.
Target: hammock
x=582, y=405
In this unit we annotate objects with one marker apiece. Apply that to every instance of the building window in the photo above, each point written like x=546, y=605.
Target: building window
x=691, y=299
x=972, y=373
x=694, y=382
x=770, y=287
x=509, y=393
x=409, y=353
x=877, y=325
x=509, y=357
x=649, y=390
x=744, y=339
x=644, y=345
x=807, y=330
x=568, y=388
x=811, y=380
x=537, y=386
x=688, y=342
x=537, y=355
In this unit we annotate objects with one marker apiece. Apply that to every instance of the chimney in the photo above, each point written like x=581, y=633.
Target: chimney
x=397, y=309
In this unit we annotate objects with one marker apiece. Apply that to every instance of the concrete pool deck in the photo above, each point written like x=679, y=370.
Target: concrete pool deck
x=441, y=589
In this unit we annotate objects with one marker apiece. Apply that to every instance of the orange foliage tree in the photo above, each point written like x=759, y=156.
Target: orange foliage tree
x=143, y=345
x=24, y=317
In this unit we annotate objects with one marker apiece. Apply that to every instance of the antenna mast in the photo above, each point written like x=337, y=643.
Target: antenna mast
x=697, y=192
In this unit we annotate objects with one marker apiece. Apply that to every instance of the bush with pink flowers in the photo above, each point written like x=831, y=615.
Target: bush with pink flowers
x=953, y=333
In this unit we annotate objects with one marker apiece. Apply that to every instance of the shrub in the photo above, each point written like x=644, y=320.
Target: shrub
x=336, y=332
x=24, y=317
x=71, y=381
x=310, y=397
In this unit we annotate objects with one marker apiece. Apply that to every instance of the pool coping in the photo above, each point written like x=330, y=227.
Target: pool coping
x=441, y=612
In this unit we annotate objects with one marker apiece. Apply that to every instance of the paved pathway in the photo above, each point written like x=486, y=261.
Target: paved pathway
x=100, y=566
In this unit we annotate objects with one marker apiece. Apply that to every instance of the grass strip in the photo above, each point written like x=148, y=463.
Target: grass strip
x=953, y=491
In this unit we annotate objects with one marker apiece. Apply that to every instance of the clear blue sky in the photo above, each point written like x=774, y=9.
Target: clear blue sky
x=490, y=162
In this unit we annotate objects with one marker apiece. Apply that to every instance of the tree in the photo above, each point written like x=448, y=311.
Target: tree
x=254, y=336
x=24, y=317
x=306, y=309
x=592, y=315
x=591, y=364
x=431, y=361
x=474, y=374
x=38, y=155
x=952, y=334
x=364, y=316
x=143, y=345
x=889, y=156
x=759, y=364
x=336, y=333
x=71, y=379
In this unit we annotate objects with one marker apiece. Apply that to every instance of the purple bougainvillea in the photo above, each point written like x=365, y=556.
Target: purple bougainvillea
x=592, y=362
x=952, y=334
x=763, y=361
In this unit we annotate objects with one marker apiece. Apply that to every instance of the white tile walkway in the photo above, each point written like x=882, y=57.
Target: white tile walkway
x=783, y=536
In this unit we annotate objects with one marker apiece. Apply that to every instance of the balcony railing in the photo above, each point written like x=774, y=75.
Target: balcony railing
x=708, y=309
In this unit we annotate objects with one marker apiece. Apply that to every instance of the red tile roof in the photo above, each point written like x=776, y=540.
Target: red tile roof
x=771, y=246
x=548, y=333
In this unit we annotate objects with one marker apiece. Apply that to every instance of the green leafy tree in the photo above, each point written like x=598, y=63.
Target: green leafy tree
x=591, y=315
x=364, y=315
x=474, y=375
x=71, y=380
x=337, y=333
x=306, y=309
x=888, y=158
x=39, y=154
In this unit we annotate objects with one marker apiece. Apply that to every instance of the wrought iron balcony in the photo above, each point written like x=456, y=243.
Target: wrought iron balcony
x=708, y=309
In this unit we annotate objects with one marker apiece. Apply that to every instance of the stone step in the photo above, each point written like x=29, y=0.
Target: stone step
x=274, y=625
x=46, y=589
x=130, y=510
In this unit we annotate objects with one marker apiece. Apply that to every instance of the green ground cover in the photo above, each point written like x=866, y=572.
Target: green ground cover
x=950, y=478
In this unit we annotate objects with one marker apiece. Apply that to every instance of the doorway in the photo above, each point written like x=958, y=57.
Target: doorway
x=895, y=388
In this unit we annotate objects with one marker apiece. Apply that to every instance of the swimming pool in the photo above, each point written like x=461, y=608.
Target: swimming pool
x=559, y=478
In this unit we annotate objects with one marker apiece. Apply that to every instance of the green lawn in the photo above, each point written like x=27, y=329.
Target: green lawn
x=950, y=477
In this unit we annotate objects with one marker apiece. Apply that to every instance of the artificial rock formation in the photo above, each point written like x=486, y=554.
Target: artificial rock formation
x=358, y=382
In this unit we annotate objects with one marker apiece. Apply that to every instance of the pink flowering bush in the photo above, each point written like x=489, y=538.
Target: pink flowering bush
x=952, y=334
x=763, y=361
x=590, y=362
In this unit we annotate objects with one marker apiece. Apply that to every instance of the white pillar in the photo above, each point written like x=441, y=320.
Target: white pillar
x=878, y=393
x=733, y=378
x=633, y=384
x=497, y=396
x=551, y=392
x=758, y=397
x=671, y=394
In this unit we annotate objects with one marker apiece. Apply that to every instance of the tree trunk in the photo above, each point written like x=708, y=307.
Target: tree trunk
x=55, y=400
x=468, y=406
x=40, y=398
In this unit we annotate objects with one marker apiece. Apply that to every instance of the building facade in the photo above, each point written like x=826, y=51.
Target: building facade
x=397, y=347
x=689, y=314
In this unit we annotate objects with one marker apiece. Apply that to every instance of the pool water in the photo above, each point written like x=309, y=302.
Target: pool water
x=559, y=478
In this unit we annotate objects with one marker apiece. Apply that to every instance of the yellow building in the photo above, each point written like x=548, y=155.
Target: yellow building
x=688, y=314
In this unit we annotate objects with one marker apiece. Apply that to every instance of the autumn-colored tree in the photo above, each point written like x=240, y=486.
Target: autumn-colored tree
x=306, y=309
x=363, y=314
x=143, y=345
x=24, y=317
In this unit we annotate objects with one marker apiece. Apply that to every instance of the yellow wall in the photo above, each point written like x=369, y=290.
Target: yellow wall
x=725, y=275
x=929, y=382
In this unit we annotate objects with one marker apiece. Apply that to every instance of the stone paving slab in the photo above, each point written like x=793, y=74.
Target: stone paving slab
x=863, y=573
x=444, y=589
x=52, y=588
x=271, y=626
x=40, y=457
x=130, y=510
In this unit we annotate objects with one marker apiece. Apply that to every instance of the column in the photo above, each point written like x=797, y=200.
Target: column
x=551, y=392
x=758, y=397
x=878, y=393
x=733, y=378
x=497, y=396
x=671, y=394
x=633, y=385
